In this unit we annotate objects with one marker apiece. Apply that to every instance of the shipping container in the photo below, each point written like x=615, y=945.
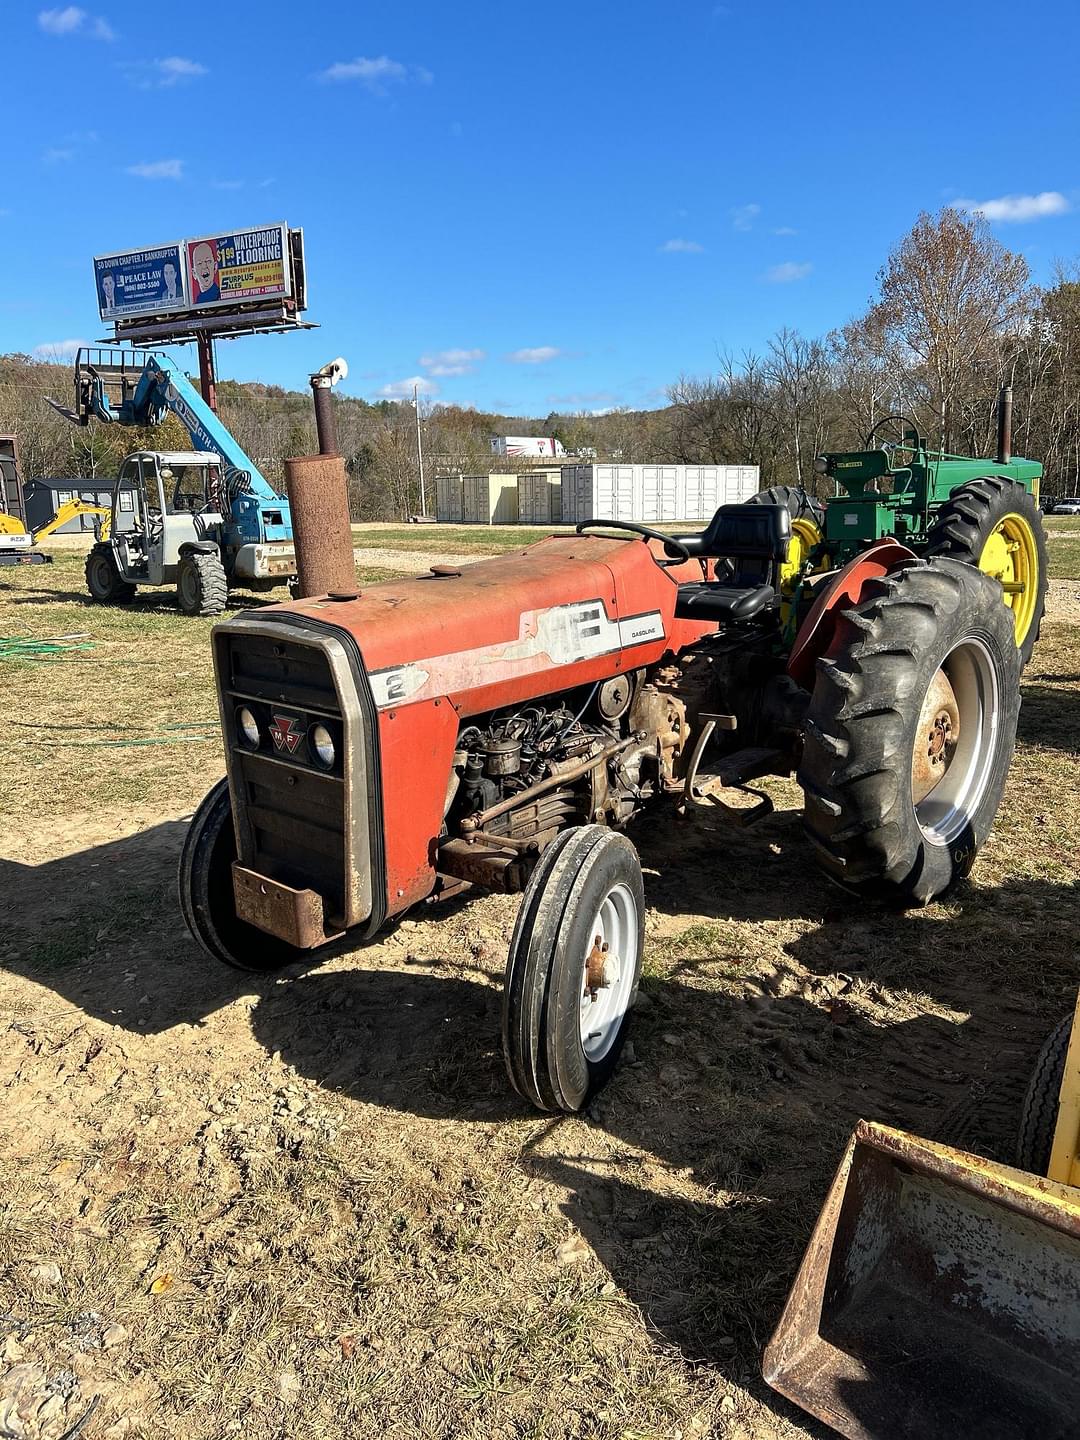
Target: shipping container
x=490, y=499
x=449, y=499
x=653, y=494
x=540, y=497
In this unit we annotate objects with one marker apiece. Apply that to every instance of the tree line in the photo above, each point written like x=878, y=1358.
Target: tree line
x=954, y=316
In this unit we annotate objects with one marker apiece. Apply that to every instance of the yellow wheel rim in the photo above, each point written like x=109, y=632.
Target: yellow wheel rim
x=805, y=534
x=1011, y=556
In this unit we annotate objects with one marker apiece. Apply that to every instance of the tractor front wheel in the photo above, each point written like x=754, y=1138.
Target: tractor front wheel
x=103, y=578
x=201, y=585
x=994, y=523
x=573, y=969
x=206, y=892
x=910, y=731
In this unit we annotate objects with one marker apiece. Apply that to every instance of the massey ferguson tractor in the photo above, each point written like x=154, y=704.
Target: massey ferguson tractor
x=501, y=724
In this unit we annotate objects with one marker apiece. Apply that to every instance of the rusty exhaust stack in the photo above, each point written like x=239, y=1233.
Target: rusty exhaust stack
x=1004, y=425
x=319, y=501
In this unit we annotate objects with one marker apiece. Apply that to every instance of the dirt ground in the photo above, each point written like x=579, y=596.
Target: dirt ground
x=310, y=1206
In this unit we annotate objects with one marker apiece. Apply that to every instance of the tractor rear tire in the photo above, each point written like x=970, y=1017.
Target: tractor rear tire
x=206, y=892
x=807, y=530
x=201, y=585
x=103, y=578
x=800, y=504
x=562, y=1037
x=995, y=524
x=910, y=731
x=1039, y=1113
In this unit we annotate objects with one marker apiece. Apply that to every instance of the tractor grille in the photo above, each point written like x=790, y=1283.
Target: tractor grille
x=291, y=808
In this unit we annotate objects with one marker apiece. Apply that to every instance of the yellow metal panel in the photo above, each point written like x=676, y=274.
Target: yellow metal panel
x=1065, y=1155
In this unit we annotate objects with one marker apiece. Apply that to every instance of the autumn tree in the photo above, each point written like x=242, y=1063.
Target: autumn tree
x=952, y=299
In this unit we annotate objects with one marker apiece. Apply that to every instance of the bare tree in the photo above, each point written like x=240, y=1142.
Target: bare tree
x=950, y=296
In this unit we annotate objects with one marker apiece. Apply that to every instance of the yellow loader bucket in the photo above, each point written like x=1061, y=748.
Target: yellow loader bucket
x=939, y=1297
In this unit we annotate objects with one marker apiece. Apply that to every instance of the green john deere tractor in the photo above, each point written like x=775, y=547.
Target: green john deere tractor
x=982, y=512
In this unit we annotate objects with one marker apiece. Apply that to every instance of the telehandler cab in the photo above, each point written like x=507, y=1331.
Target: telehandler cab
x=498, y=725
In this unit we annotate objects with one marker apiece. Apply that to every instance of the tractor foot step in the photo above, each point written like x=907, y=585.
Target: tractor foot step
x=731, y=771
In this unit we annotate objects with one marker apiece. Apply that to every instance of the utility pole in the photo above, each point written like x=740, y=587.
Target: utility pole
x=419, y=451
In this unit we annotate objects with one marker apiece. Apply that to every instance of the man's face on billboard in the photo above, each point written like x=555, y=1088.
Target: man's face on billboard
x=204, y=265
x=169, y=272
x=108, y=284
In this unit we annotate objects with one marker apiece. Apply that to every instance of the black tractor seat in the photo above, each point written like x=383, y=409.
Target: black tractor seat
x=753, y=540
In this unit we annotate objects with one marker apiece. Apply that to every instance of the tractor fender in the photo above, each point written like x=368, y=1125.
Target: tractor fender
x=199, y=547
x=846, y=589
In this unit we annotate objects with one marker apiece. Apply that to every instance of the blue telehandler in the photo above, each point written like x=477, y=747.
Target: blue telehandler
x=204, y=519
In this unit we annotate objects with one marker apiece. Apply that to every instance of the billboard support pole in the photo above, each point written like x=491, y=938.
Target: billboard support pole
x=207, y=375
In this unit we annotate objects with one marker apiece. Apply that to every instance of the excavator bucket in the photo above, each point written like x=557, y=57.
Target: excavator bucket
x=939, y=1297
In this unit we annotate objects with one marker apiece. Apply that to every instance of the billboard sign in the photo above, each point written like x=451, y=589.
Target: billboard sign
x=141, y=282
x=201, y=275
x=233, y=269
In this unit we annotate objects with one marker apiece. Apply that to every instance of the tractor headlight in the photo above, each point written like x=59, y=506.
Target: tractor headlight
x=248, y=728
x=321, y=746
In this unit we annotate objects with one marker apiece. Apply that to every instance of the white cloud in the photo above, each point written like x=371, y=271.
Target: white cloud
x=451, y=362
x=158, y=170
x=58, y=349
x=784, y=230
x=73, y=21
x=1016, y=209
x=536, y=355
x=163, y=74
x=583, y=399
x=376, y=73
x=744, y=216
x=62, y=22
x=57, y=155
x=403, y=389
x=681, y=247
x=177, y=68
x=787, y=272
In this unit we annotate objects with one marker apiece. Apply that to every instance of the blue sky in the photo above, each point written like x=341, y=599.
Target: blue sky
x=529, y=206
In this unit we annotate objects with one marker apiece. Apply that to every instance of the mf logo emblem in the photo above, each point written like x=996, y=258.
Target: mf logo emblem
x=286, y=732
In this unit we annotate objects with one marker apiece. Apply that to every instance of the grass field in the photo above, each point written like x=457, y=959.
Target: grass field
x=308, y=1205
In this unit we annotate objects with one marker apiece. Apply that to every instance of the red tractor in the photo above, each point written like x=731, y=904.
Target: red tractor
x=499, y=725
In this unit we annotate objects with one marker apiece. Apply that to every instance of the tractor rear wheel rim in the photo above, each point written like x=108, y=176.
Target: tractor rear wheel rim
x=1011, y=556
x=958, y=723
x=607, y=972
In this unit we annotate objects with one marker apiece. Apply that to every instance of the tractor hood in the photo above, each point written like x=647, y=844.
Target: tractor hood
x=461, y=630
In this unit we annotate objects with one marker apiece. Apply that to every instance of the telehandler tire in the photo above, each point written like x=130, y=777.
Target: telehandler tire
x=995, y=524
x=206, y=892
x=1039, y=1113
x=201, y=585
x=573, y=968
x=103, y=578
x=910, y=731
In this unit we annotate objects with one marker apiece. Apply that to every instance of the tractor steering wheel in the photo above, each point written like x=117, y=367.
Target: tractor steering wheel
x=672, y=546
x=905, y=420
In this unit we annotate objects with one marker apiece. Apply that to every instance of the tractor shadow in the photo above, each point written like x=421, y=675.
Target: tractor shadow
x=102, y=928
x=1050, y=714
x=701, y=1168
x=147, y=602
x=698, y=1173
